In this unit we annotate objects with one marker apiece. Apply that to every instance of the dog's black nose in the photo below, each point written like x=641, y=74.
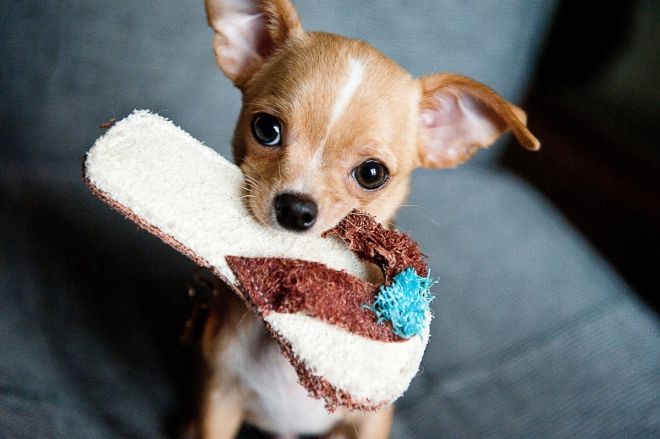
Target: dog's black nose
x=295, y=211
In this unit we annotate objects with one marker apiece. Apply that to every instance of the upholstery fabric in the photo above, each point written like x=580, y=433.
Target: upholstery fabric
x=534, y=334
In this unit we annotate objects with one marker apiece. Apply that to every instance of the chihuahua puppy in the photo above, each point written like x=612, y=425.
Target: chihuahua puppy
x=328, y=125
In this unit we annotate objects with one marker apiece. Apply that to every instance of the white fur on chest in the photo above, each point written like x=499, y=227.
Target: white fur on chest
x=276, y=402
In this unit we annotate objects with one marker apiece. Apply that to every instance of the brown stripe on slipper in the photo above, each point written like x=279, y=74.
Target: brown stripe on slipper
x=293, y=285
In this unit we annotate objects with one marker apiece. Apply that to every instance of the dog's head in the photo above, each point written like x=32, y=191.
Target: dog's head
x=329, y=124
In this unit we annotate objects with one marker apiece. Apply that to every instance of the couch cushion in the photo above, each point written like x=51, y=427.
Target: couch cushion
x=533, y=333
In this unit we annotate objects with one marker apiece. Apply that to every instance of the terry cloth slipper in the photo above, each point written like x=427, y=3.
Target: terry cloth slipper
x=352, y=342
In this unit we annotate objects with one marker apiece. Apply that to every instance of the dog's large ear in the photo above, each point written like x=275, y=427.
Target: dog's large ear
x=459, y=115
x=248, y=31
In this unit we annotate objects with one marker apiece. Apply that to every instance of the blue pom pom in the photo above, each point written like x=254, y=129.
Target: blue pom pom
x=405, y=303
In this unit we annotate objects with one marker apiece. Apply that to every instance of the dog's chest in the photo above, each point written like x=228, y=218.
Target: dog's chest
x=276, y=402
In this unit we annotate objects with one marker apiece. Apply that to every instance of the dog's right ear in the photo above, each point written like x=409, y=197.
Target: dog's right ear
x=249, y=31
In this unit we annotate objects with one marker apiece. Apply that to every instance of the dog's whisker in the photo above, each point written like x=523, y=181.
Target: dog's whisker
x=251, y=181
x=247, y=162
x=254, y=185
x=355, y=430
x=249, y=178
x=248, y=191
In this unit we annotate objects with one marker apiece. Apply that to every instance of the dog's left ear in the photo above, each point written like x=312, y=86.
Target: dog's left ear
x=247, y=32
x=459, y=115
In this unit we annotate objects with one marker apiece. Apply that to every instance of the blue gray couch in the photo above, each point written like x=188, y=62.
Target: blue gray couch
x=534, y=334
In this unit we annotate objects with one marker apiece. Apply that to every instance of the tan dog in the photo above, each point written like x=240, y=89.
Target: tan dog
x=328, y=125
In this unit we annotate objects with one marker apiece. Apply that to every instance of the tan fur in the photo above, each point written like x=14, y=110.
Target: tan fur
x=295, y=76
x=221, y=408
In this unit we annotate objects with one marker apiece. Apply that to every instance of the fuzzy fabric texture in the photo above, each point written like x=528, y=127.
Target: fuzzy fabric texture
x=296, y=286
x=367, y=374
x=391, y=250
x=405, y=303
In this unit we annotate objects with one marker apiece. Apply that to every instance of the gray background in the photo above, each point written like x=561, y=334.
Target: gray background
x=534, y=335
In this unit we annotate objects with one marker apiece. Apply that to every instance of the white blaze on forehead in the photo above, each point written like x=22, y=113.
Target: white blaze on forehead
x=354, y=78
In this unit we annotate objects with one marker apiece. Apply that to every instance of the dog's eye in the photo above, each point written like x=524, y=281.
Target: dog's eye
x=371, y=174
x=267, y=129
